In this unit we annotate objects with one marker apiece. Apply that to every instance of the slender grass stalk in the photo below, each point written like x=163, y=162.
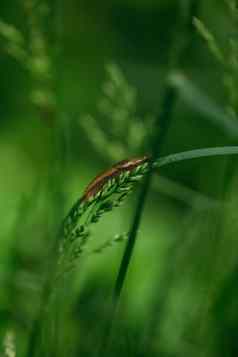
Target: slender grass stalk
x=60, y=133
x=34, y=345
x=163, y=123
x=201, y=103
x=184, y=194
x=164, y=120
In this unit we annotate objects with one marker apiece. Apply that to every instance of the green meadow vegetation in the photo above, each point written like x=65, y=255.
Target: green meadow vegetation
x=119, y=180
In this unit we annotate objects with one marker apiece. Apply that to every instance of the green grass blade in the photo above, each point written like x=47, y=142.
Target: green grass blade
x=196, y=154
x=202, y=104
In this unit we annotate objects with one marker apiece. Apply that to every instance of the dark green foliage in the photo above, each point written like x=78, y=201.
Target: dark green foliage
x=83, y=86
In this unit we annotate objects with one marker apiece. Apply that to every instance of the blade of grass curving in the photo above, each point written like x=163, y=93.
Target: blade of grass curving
x=173, y=158
x=195, y=154
x=163, y=161
x=200, y=102
x=181, y=193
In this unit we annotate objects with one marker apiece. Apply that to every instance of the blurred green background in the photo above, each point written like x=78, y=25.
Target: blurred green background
x=82, y=90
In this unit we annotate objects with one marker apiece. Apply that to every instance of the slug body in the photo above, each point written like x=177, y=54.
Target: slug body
x=126, y=165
